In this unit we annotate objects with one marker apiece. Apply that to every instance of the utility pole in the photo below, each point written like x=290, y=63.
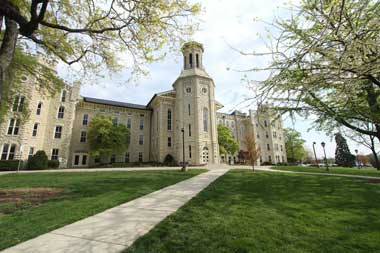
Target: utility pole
x=324, y=151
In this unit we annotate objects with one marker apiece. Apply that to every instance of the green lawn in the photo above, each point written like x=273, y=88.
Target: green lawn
x=366, y=171
x=245, y=212
x=83, y=194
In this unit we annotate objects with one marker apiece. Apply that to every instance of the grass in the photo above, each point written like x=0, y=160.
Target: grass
x=84, y=194
x=245, y=212
x=366, y=171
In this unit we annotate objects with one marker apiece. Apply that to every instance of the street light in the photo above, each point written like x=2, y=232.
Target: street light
x=183, y=150
x=357, y=158
x=315, y=154
x=324, y=151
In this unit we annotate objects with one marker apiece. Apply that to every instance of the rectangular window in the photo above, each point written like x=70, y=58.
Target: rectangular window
x=281, y=148
x=84, y=159
x=189, y=151
x=113, y=158
x=141, y=139
x=140, y=156
x=141, y=123
x=268, y=147
x=12, y=151
x=189, y=109
x=4, y=153
x=18, y=104
x=270, y=159
x=39, y=108
x=31, y=152
x=274, y=134
x=267, y=135
x=83, y=136
x=189, y=130
x=61, y=112
x=265, y=123
x=35, y=129
x=169, y=119
x=191, y=60
x=205, y=119
x=76, y=160
x=197, y=60
x=169, y=141
x=58, y=132
x=63, y=96
x=54, y=154
x=126, y=159
x=85, y=120
x=13, y=127
x=276, y=147
x=129, y=123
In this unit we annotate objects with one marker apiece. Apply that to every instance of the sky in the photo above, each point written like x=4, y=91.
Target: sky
x=224, y=25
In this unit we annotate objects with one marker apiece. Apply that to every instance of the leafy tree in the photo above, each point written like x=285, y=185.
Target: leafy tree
x=249, y=139
x=374, y=160
x=106, y=138
x=325, y=61
x=227, y=143
x=294, y=145
x=368, y=141
x=96, y=35
x=343, y=156
x=39, y=161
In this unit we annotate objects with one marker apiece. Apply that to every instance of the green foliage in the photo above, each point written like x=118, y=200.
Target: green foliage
x=295, y=151
x=343, y=156
x=169, y=160
x=53, y=164
x=39, y=161
x=9, y=165
x=374, y=161
x=325, y=61
x=227, y=143
x=25, y=65
x=106, y=138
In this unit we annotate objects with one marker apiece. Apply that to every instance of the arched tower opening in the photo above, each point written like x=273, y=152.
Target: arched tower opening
x=192, y=55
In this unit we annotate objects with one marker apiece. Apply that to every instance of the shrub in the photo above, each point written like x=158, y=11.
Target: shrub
x=169, y=160
x=53, y=164
x=266, y=163
x=39, y=161
x=282, y=164
x=9, y=165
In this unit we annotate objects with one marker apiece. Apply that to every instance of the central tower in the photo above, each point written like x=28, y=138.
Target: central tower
x=195, y=109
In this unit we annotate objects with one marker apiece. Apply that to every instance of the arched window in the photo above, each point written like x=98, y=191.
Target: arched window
x=197, y=60
x=191, y=60
x=61, y=112
x=205, y=119
x=169, y=119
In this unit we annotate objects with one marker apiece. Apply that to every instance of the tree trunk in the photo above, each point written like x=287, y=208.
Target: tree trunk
x=7, y=50
x=377, y=163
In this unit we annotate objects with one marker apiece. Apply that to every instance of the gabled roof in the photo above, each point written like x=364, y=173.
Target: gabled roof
x=114, y=103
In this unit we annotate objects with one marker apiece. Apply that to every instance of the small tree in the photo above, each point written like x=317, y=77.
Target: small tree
x=227, y=143
x=39, y=161
x=295, y=150
x=252, y=152
x=343, y=156
x=106, y=138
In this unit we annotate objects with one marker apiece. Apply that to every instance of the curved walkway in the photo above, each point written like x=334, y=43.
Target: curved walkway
x=117, y=228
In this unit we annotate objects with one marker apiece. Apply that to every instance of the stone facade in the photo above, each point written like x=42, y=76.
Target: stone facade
x=185, y=116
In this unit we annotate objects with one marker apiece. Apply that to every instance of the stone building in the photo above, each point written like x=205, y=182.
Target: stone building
x=182, y=119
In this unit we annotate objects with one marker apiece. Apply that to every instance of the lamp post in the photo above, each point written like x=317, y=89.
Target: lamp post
x=324, y=151
x=357, y=158
x=183, y=150
x=315, y=154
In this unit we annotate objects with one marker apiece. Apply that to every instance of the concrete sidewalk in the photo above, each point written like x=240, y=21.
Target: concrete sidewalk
x=117, y=228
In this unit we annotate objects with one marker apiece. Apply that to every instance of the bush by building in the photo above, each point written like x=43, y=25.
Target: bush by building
x=39, y=161
x=53, y=164
x=9, y=165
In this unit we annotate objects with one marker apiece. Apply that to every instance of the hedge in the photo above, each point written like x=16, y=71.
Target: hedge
x=9, y=165
x=53, y=164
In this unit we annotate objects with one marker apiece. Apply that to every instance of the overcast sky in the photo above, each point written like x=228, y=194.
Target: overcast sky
x=223, y=23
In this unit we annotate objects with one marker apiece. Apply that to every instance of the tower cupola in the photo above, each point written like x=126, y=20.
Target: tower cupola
x=192, y=55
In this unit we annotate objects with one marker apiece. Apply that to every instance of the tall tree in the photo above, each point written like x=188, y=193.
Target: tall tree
x=252, y=151
x=94, y=34
x=368, y=141
x=227, y=143
x=325, y=60
x=295, y=151
x=343, y=156
x=106, y=138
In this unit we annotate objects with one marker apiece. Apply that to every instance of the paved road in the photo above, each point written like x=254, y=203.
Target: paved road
x=117, y=228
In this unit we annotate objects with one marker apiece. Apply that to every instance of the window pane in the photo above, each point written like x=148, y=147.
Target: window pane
x=4, y=154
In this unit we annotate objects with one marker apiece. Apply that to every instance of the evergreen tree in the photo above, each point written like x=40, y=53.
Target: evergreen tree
x=343, y=156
